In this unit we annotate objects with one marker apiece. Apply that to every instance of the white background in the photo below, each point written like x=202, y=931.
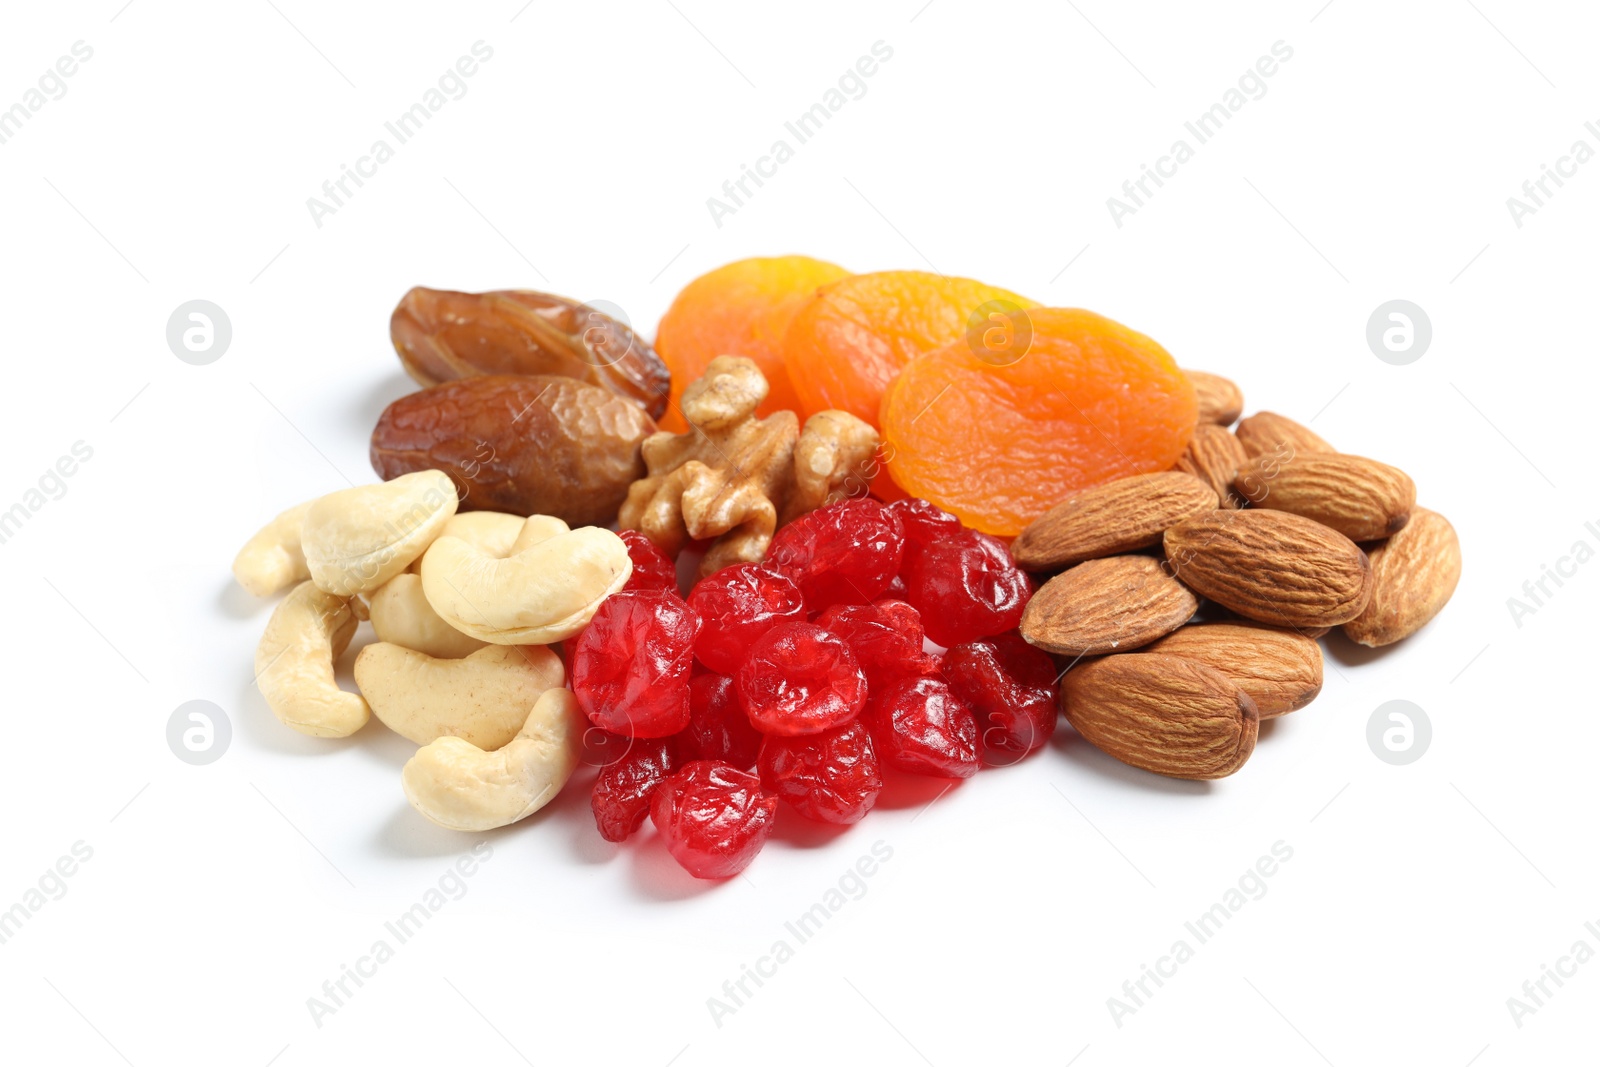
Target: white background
x=219, y=898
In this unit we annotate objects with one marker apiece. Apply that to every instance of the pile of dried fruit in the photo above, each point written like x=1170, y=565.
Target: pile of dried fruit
x=840, y=461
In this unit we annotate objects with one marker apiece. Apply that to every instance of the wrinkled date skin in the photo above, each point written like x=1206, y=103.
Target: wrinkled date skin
x=526, y=444
x=443, y=335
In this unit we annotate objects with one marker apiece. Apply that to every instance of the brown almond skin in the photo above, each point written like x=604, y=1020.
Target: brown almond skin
x=1414, y=574
x=441, y=335
x=1106, y=605
x=528, y=444
x=1164, y=714
x=1271, y=566
x=1107, y=520
x=1278, y=669
x=1266, y=431
x=1361, y=498
x=1221, y=402
x=1214, y=456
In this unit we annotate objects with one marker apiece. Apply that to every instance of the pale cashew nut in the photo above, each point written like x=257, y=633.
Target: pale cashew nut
x=495, y=532
x=271, y=560
x=402, y=616
x=308, y=631
x=461, y=787
x=483, y=699
x=536, y=528
x=356, y=539
x=543, y=594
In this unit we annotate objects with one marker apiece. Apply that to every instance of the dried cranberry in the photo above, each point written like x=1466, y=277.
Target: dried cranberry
x=718, y=727
x=800, y=679
x=923, y=522
x=831, y=776
x=630, y=665
x=966, y=587
x=622, y=791
x=712, y=817
x=845, y=553
x=897, y=588
x=1011, y=687
x=920, y=726
x=886, y=637
x=737, y=605
x=652, y=570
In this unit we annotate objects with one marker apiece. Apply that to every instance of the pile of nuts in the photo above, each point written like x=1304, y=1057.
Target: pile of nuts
x=519, y=567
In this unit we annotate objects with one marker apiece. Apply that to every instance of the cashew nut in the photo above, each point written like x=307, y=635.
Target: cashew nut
x=294, y=663
x=543, y=594
x=483, y=699
x=356, y=539
x=402, y=616
x=272, y=560
x=495, y=532
x=537, y=528
x=461, y=787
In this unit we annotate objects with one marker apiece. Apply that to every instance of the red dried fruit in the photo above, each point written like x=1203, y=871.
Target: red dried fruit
x=1011, y=687
x=886, y=637
x=800, y=679
x=713, y=818
x=920, y=726
x=845, y=553
x=967, y=587
x=923, y=522
x=737, y=605
x=718, y=727
x=652, y=570
x=630, y=665
x=624, y=786
x=831, y=776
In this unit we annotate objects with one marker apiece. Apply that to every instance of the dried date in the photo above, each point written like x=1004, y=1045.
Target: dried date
x=529, y=444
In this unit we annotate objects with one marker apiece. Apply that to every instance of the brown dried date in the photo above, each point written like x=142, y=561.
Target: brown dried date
x=529, y=444
x=443, y=335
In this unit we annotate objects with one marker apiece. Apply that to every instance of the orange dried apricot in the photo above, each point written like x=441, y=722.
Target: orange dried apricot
x=742, y=309
x=998, y=440
x=849, y=341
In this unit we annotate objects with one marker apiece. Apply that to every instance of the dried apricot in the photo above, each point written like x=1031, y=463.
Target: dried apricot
x=742, y=309
x=849, y=341
x=998, y=441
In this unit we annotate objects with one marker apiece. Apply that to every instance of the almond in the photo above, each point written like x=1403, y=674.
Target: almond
x=1267, y=432
x=1110, y=519
x=1221, y=402
x=1279, y=670
x=1165, y=714
x=1214, y=456
x=1271, y=566
x=1413, y=575
x=1106, y=605
x=1361, y=498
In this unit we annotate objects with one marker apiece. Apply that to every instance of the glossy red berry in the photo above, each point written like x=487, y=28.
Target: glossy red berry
x=713, y=817
x=966, y=587
x=737, y=605
x=845, y=553
x=886, y=637
x=1011, y=687
x=831, y=777
x=800, y=679
x=624, y=786
x=718, y=727
x=652, y=570
x=923, y=522
x=920, y=726
x=630, y=665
